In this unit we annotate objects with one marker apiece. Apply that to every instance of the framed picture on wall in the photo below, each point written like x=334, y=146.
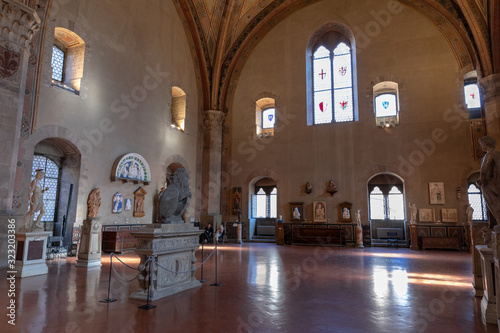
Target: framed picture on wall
x=296, y=211
x=319, y=211
x=449, y=215
x=436, y=193
x=345, y=214
x=426, y=215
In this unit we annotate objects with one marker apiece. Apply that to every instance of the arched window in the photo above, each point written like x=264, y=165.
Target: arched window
x=332, y=78
x=476, y=199
x=386, y=198
x=68, y=53
x=178, y=108
x=265, y=117
x=264, y=202
x=386, y=104
x=51, y=180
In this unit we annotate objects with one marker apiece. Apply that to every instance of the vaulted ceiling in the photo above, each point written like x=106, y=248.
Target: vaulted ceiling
x=223, y=33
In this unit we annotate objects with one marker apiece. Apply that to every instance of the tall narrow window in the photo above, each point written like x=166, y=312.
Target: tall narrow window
x=57, y=63
x=178, y=108
x=472, y=96
x=332, y=79
x=386, y=104
x=51, y=180
x=68, y=53
x=265, y=117
x=476, y=201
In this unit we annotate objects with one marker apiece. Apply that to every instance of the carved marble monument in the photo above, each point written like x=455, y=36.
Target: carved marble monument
x=173, y=246
x=89, y=254
x=175, y=199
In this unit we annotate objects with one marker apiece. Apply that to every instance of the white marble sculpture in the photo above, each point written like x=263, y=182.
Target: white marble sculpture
x=36, y=205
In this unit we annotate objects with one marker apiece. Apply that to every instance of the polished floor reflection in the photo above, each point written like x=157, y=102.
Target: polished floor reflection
x=265, y=288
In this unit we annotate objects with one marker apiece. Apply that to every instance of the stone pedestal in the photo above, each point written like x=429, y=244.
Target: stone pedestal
x=359, y=237
x=89, y=254
x=173, y=246
x=30, y=253
x=477, y=271
x=488, y=303
x=413, y=237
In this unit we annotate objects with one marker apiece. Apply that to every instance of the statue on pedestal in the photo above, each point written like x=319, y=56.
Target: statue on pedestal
x=93, y=203
x=36, y=205
x=413, y=211
x=490, y=178
x=469, y=211
x=175, y=199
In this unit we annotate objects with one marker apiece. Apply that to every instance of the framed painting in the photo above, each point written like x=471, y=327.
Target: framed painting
x=436, y=193
x=296, y=211
x=319, y=211
x=426, y=215
x=344, y=210
x=236, y=200
x=449, y=215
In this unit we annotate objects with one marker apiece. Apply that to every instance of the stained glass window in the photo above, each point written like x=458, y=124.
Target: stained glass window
x=332, y=83
x=51, y=180
x=268, y=118
x=472, y=98
x=476, y=201
x=385, y=105
x=57, y=63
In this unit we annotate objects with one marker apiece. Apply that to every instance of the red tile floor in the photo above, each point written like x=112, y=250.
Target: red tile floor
x=265, y=288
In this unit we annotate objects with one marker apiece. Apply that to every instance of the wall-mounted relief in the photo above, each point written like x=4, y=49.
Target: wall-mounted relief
x=296, y=211
x=236, y=200
x=131, y=167
x=139, y=197
x=117, y=203
x=344, y=210
x=426, y=215
x=319, y=211
x=436, y=193
x=128, y=204
x=449, y=215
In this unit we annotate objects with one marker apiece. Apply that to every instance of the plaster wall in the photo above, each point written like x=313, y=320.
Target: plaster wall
x=431, y=143
x=134, y=54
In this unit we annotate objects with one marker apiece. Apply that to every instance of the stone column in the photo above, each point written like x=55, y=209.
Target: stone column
x=212, y=153
x=477, y=271
x=490, y=95
x=18, y=23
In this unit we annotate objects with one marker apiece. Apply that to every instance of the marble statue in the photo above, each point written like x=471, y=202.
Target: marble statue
x=36, y=205
x=489, y=179
x=309, y=188
x=413, y=212
x=469, y=211
x=358, y=217
x=93, y=203
x=175, y=199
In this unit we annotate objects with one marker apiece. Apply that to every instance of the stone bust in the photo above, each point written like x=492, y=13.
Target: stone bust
x=489, y=179
x=175, y=199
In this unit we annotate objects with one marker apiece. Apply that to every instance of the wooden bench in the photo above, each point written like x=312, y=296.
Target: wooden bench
x=446, y=243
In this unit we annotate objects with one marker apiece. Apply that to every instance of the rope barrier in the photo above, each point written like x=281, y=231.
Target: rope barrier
x=114, y=255
x=118, y=275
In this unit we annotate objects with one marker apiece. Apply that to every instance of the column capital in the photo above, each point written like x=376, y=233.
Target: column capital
x=18, y=22
x=214, y=120
x=490, y=87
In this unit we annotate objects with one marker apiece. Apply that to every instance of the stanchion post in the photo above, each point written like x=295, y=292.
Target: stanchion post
x=201, y=278
x=109, y=300
x=148, y=306
x=216, y=255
